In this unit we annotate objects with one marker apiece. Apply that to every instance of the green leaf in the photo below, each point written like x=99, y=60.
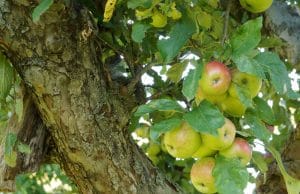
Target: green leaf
x=191, y=82
x=244, y=95
x=132, y=4
x=159, y=128
x=23, y=148
x=40, y=9
x=138, y=31
x=257, y=127
x=278, y=73
x=292, y=184
x=230, y=176
x=206, y=118
x=264, y=111
x=259, y=161
x=175, y=72
x=158, y=105
x=10, y=156
x=246, y=37
x=248, y=65
x=6, y=76
x=180, y=33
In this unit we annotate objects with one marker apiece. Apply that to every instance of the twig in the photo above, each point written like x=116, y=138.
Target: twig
x=159, y=93
x=226, y=21
x=136, y=79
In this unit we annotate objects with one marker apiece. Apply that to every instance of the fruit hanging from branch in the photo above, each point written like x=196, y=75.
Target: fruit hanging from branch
x=256, y=6
x=215, y=79
x=224, y=138
x=202, y=176
x=240, y=149
x=183, y=141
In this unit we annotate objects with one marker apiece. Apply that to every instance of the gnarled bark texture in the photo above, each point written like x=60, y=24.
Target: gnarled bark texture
x=284, y=21
x=70, y=100
x=86, y=119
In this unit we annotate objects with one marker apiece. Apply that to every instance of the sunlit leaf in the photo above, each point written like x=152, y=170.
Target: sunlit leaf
x=170, y=46
x=158, y=128
x=175, y=72
x=264, y=111
x=230, y=176
x=191, y=82
x=257, y=127
x=246, y=37
x=278, y=73
x=206, y=118
x=43, y=6
x=158, y=105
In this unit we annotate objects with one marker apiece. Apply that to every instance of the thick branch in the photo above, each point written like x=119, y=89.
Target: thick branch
x=86, y=120
x=284, y=21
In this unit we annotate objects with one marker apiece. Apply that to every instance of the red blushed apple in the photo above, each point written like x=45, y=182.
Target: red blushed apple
x=201, y=175
x=215, y=79
x=239, y=149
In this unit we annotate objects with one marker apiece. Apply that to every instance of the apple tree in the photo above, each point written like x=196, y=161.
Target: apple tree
x=143, y=96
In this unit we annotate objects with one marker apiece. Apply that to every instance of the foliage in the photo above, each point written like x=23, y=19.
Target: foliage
x=48, y=179
x=180, y=37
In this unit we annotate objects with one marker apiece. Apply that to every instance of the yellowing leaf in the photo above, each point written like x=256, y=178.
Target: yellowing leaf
x=204, y=19
x=109, y=10
x=159, y=20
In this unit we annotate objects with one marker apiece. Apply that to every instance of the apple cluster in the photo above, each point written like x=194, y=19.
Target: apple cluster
x=222, y=87
x=185, y=142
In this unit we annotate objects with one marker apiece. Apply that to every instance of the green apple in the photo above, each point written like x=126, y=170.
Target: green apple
x=154, y=159
x=153, y=149
x=203, y=151
x=223, y=139
x=162, y=144
x=233, y=106
x=256, y=6
x=250, y=83
x=202, y=177
x=142, y=131
x=239, y=149
x=215, y=79
x=215, y=99
x=183, y=141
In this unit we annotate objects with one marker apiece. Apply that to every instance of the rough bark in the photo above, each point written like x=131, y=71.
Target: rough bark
x=284, y=21
x=274, y=182
x=87, y=120
x=30, y=130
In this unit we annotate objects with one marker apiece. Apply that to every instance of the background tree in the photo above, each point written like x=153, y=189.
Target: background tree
x=77, y=95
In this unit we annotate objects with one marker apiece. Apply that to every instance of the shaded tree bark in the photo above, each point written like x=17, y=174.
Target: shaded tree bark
x=87, y=120
x=86, y=117
x=284, y=21
x=30, y=130
x=274, y=182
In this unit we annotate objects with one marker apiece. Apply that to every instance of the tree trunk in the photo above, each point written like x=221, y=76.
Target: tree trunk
x=85, y=116
x=87, y=120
